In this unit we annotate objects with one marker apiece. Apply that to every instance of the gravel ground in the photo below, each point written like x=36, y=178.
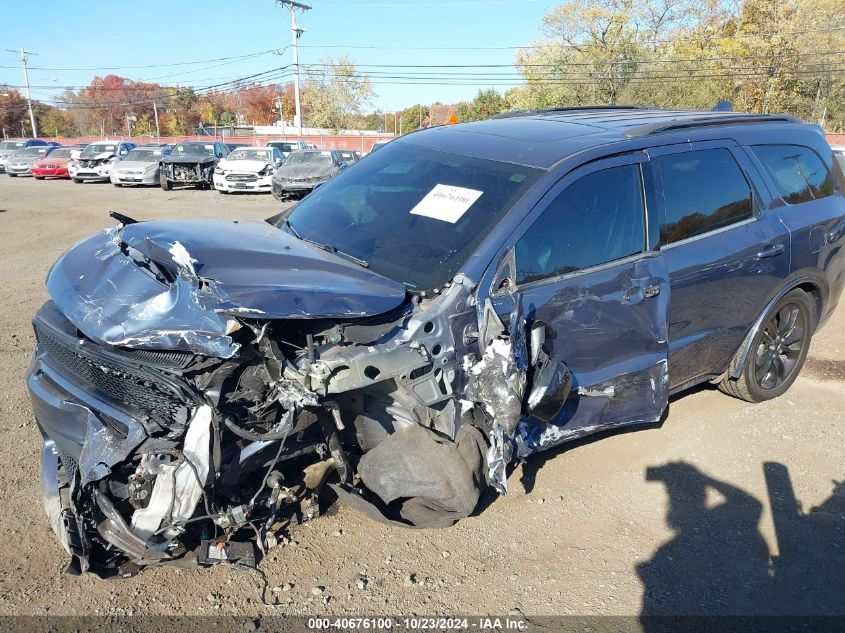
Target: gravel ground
x=684, y=517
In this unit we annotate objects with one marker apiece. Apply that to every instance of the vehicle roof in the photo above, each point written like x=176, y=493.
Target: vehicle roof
x=541, y=138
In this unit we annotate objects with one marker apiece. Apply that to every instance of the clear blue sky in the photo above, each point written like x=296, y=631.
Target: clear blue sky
x=99, y=34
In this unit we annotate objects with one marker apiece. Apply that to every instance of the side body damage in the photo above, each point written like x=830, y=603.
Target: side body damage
x=186, y=411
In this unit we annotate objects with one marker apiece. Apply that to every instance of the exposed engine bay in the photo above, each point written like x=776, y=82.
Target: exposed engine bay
x=185, y=423
x=198, y=172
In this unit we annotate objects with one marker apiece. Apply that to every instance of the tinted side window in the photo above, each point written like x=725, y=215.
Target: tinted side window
x=596, y=219
x=703, y=190
x=798, y=172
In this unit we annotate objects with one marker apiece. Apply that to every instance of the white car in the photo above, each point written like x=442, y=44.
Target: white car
x=247, y=169
x=95, y=162
x=287, y=147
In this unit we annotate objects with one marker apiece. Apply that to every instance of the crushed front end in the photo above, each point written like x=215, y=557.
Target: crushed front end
x=188, y=171
x=191, y=407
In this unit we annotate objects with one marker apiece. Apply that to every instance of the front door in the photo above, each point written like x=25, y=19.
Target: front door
x=584, y=267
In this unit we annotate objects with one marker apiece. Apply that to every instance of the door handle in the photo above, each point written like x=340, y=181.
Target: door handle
x=651, y=291
x=772, y=250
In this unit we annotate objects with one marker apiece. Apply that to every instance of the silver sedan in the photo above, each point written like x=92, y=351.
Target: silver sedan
x=139, y=167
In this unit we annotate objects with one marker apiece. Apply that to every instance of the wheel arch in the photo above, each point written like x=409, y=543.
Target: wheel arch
x=810, y=285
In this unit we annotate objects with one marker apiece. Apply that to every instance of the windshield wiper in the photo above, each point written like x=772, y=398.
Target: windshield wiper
x=327, y=247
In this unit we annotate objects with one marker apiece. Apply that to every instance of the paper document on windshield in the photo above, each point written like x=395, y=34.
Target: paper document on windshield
x=446, y=203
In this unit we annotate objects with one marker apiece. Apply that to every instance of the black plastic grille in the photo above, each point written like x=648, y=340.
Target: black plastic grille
x=144, y=395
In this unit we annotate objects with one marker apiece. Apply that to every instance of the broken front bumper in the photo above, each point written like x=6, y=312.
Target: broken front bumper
x=87, y=405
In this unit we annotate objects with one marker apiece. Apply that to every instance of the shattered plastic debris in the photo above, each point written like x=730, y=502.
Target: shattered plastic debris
x=178, y=485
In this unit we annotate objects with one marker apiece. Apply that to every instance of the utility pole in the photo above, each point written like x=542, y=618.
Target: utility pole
x=23, y=55
x=296, y=31
x=155, y=113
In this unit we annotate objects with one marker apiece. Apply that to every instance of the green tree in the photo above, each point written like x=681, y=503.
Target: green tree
x=414, y=117
x=335, y=90
x=487, y=103
x=54, y=122
x=143, y=126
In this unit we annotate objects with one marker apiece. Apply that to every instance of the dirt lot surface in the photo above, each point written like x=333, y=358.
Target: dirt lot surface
x=683, y=517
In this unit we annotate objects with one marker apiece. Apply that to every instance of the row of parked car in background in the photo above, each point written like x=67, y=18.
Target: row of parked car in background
x=282, y=168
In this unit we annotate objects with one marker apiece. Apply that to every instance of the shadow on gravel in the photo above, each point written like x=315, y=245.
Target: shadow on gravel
x=718, y=562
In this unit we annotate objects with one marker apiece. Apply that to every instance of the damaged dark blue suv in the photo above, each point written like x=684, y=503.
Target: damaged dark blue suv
x=463, y=298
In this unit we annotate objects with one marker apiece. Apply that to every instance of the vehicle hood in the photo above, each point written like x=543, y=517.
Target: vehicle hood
x=211, y=273
x=5, y=153
x=246, y=166
x=305, y=171
x=188, y=159
x=127, y=165
x=24, y=160
x=100, y=156
x=47, y=160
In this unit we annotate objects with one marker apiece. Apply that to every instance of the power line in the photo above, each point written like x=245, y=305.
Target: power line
x=513, y=70
x=419, y=5
x=551, y=44
x=203, y=61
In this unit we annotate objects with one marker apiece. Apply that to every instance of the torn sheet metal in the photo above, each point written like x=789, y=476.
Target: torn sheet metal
x=110, y=297
x=497, y=383
x=262, y=269
x=183, y=285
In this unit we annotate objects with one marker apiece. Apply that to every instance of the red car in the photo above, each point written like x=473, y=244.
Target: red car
x=54, y=165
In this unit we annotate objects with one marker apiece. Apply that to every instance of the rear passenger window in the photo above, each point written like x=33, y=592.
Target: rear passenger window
x=597, y=219
x=798, y=172
x=703, y=190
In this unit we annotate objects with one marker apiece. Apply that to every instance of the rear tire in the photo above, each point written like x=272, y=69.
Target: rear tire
x=166, y=184
x=39, y=177
x=776, y=352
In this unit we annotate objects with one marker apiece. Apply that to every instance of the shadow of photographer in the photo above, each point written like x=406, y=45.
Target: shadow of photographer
x=718, y=562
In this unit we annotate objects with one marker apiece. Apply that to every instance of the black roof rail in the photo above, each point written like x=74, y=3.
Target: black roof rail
x=705, y=121
x=584, y=108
